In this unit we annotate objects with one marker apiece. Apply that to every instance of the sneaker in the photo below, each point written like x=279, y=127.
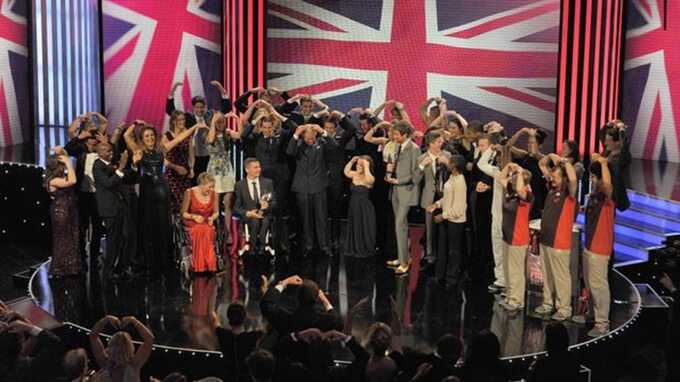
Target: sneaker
x=560, y=316
x=511, y=308
x=544, y=310
x=495, y=288
x=598, y=330
x=579, y=319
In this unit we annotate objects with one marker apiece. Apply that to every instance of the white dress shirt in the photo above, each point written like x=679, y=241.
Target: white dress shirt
x=87, y=184
x=251, y=190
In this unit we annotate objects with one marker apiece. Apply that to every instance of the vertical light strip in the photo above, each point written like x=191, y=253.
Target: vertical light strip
x=250, y=45
x=612, y=62
x=617, y=69
x=574, y=69
x=58, y=18
x=564, y=48
x=76, y=60
x=234, y=81
x=597, y=88
x=605, y=66
x=70, y=113
x=50, y=62
x=241, y=56
x=586, y=87
x=83, y=54
x=39, y=65
x=261, y=34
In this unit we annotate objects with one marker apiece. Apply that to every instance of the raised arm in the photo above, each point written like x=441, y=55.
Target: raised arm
x=379, y=109
x=543, y=166
x=370, y=179
x=73, y=127
x=210, y=139
x=130, y=140
x=234, y=134
x=103, y=122
x=70, y=174
x=225, y=103
x=170, y=102
x=572, y=177
x=521, y=187
x=607, y=186
x=167, y=146
x=377, y=141
x=424, y=111
x=348, y=168
x=144, y=352
x=505, y=175
x=98, y=349
x=402, y=110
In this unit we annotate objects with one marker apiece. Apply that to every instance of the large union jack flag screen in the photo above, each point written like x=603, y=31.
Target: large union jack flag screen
x=149, y=45
x=491, y=59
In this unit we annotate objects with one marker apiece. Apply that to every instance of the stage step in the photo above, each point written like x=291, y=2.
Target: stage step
x=640, y=200
x=21, y=279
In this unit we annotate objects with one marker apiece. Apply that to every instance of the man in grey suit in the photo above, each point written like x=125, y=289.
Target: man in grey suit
x=403, y=191
x=432, y=171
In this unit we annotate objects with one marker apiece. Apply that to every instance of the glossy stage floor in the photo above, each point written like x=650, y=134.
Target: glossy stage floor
x=179, y=310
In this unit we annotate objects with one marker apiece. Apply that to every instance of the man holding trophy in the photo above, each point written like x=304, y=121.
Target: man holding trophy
x=255, y=201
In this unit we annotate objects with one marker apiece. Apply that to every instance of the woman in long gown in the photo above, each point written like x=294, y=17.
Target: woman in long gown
x=199, y=211
x=66, y=259
x=154, y=194
x=360, y=236
x=178, y=162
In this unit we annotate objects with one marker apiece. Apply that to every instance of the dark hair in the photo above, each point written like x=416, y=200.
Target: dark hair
x=308, y=293
x=261, y=365
x=556, y=338
x=236, y=314
x=487, y=137
x=379, y=338
x=475, y=126
x=540, y=136
x=596, y=169
x=196, y=100
x=250, y=160
x=573, y=147
x=458, y=162
x=449, y=347
x=402, y=127
x=74, y=363
x=332, y=119
x=10, y=348
x=53, y=169
x=431, y=137
x=483, y=351
x=175, y=377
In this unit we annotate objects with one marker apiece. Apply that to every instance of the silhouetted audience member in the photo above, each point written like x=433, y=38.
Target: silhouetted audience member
x=175, y=377
x=560, y=365
x=482, y=363
x=261, y=365
x=76, y=365
x=235, y=342
x=43, y=362
x=443, y=360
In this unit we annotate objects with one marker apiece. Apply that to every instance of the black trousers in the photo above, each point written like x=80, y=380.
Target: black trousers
x=450, y=246
x=481, y=263
x=200, y=166
x=337, y=208
x=257, y=231
x=131, y=246
x=313, y=210
x=115, y=258
x=89, y=216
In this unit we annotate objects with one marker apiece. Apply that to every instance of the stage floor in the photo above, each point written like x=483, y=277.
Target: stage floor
x=179, y=310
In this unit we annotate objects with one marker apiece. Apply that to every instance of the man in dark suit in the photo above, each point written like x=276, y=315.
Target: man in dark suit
x=252, y=203
x=306, y=113
x=310, y=182
x=112, y=207
x=200, y=115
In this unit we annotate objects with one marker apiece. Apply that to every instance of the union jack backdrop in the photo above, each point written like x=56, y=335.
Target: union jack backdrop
x=14, y=118
x=491, y=59
x=651, y=82
x=149, y=45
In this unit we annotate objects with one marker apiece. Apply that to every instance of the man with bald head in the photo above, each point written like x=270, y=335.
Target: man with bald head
x=109, y=180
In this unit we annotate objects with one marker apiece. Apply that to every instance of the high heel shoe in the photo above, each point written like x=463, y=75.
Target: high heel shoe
x=393, y=263
x=402, y=270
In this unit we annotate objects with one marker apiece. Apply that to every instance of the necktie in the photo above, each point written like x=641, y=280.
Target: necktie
x=256, y=192
x=396, y=157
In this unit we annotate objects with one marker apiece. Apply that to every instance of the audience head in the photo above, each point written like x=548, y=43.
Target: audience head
x=540, y=136
x=570, y=151
x=558, y=176
x=484, y=350
x=177, y=120
x=149, y=137
x=308, y=293
x=433, y=111
x=379, y=338
x=401, y=130
x=198, y=104
x=236, y=314
x=306, y=105
x=475, y=130
x=449, y=347
x=175, y=377
x=75, y=363
x=396, y=113
x=434, y=141
x=252, y=167
x=105, y=151
x=457, y=164
x=484, y=142
x=120, y=350
x=556, y=338
x=261, y=365
x=206, y=183
x=382, y=369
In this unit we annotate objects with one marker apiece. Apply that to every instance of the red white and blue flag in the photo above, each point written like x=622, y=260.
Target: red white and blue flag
x=149, y=45
x=651, y=82
x=491, y=59
x=14, y=118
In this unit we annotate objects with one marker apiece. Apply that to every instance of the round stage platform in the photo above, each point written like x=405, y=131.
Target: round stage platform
x=180, y=311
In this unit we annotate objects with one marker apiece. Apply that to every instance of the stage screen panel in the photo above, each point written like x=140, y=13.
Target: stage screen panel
x=651, y=79
x=14, y=75
x=490, y=59
x=149, y=45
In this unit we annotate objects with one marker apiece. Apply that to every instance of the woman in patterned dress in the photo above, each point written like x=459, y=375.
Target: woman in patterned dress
x=66, y=259
x=219, y=165
x=178, y=161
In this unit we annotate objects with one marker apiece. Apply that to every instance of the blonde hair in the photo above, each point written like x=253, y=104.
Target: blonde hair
x=121, y=350
x=205, y=177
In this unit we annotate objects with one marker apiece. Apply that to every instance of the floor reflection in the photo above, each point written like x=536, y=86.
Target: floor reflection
x=182, y=312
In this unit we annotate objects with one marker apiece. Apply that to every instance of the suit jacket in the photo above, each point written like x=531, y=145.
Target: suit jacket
x=269, y=151
x=311, y=169
x=406, y=189
x=244, y=202
x=284, y=108
x=110, y=188
x=287, y=319
x=225, y=107
x=337, y=154
x=427, y=177
x=43, y=365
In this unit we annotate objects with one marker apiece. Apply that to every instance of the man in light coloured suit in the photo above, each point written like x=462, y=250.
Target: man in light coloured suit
x=403, y=191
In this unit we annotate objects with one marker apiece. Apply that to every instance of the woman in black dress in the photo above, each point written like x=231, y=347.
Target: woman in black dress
x=360, y=236
x=154, y=194
x=60, y=177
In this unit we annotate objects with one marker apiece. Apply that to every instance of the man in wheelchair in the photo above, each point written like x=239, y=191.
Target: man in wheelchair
x=255, y=203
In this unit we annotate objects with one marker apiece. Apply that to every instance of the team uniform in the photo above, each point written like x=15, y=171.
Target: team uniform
x=515, y=243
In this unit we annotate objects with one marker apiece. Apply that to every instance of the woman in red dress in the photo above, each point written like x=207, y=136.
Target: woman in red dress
x=199, y=211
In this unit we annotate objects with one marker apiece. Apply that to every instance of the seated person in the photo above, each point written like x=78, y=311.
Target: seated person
x=255, y=201
x=235, y=341
x=200, y=210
